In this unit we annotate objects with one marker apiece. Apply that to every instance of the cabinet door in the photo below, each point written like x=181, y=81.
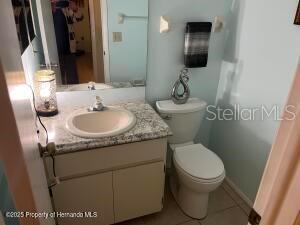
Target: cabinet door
x=86, y=194
x=138, y=191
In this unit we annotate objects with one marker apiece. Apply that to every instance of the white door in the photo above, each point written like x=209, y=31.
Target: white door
x=92, y=194
x=138, y=191
x=277, y=201
x=48, y=36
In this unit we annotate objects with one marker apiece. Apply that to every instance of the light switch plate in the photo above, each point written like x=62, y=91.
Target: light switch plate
x=117, y=37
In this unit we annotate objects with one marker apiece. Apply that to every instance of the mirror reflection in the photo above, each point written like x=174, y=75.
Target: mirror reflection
x=24, y=23
x=95, y=44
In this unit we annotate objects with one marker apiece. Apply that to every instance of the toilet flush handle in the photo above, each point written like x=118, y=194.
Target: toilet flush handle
x=166, y=116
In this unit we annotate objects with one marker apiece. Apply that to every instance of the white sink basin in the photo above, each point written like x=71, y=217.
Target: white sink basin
x=110, y=122
x=85, y=87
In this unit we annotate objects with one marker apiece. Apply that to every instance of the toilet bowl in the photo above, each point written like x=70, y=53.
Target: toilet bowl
x=196, y=171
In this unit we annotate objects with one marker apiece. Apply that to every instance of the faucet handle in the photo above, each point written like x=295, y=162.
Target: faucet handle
x=91, y=86
x=99, y=99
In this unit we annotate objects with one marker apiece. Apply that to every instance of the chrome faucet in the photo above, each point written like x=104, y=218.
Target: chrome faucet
x=91, y=86
x=97, y=106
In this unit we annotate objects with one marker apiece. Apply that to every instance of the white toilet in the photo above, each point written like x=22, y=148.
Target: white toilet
x=198, y=171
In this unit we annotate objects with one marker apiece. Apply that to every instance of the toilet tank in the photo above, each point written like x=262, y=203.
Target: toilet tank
x=184, y=120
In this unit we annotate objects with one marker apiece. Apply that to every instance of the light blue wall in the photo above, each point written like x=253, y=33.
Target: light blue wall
x=259, y=65
x=128, y=59
x=165, y=57
x=6, y=203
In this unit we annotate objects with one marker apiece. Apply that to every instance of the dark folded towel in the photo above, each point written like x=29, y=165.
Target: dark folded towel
x=196, y=44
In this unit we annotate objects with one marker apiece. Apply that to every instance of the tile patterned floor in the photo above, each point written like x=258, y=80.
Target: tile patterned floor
x=225, y=208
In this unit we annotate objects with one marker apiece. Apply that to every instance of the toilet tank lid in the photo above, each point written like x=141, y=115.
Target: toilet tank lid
x=192, y=105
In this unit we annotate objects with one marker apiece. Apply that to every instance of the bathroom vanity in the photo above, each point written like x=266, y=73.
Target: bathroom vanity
x=119, y=177
x=116, y=177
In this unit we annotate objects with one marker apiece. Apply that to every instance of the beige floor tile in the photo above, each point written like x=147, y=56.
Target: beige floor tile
x=168, y=195
x=246, y=208
x=170, y=215
x=219, y=200
x=232, y=216
x=137, y=221
x=232, y=193
x=192, y=222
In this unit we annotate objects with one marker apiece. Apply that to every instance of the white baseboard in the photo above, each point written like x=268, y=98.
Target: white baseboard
x=239, y=192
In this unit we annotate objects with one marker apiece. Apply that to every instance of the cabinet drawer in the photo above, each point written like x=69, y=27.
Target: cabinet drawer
x=108, y=158
x=138, y=191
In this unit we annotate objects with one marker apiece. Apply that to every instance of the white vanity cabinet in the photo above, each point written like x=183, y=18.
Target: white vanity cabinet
x=119, y=182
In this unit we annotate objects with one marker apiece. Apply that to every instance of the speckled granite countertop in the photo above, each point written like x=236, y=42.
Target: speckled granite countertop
x=148, y=126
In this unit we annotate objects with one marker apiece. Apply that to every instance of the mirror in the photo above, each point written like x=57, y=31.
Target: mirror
x=95, y=44
x=24, y=22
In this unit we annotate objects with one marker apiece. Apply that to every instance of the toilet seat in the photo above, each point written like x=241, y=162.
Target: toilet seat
x=199, y=163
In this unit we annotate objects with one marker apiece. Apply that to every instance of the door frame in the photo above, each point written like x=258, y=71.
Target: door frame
x=282, y=169
x=93, y=38
x=97, y=42
x=105, y=39
x=19, y=152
